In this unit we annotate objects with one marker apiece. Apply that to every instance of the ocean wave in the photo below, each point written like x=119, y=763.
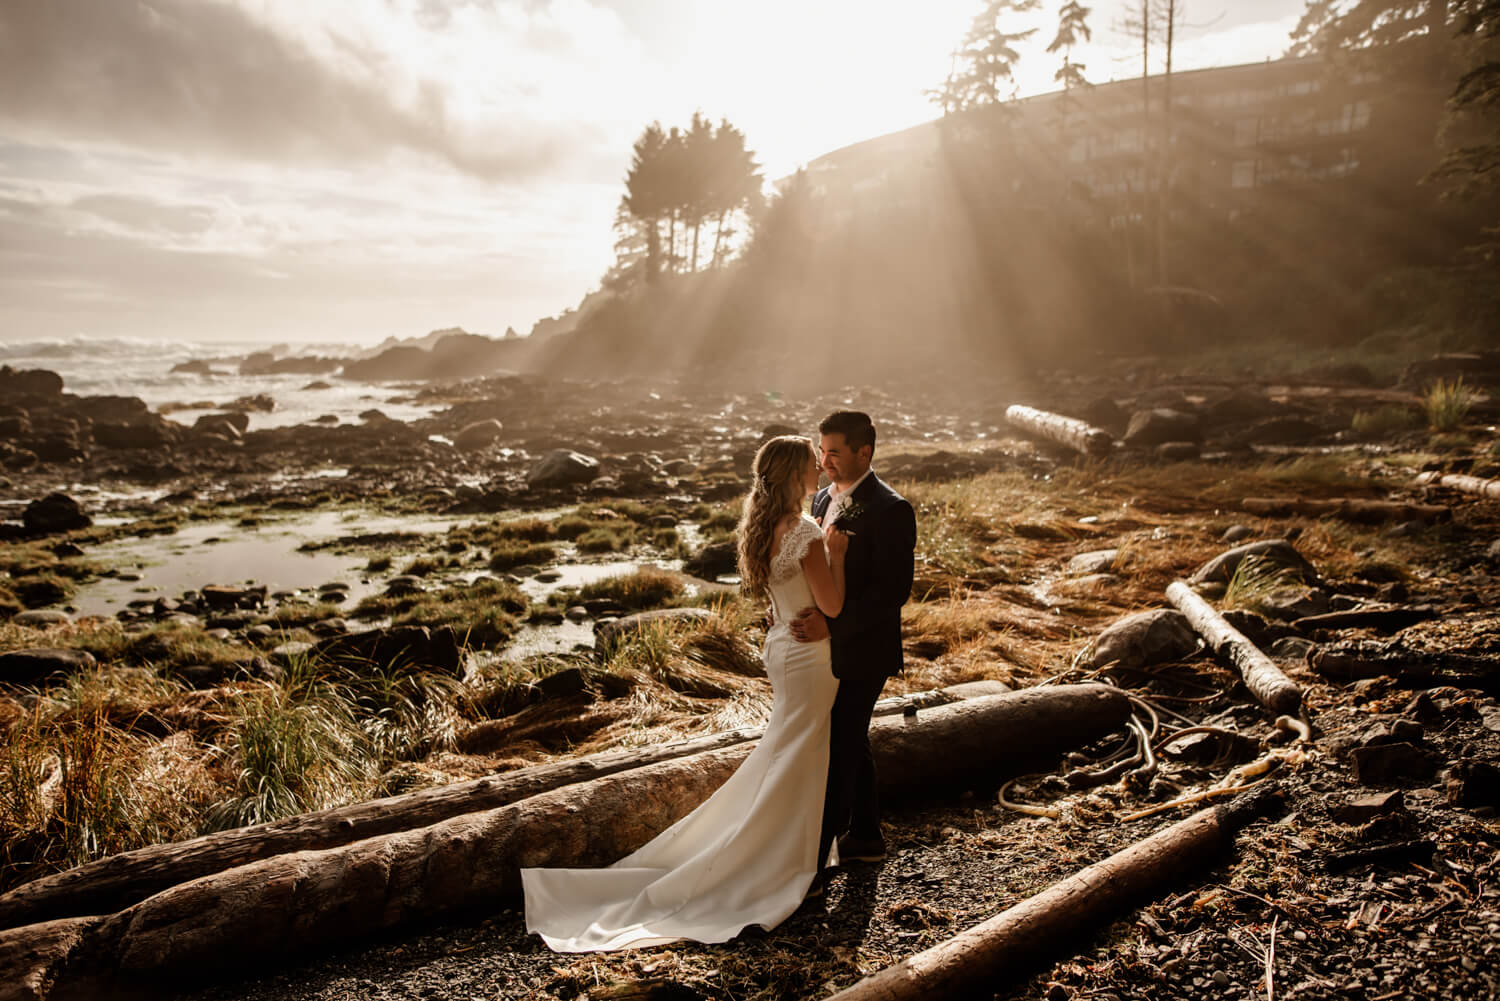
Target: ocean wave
x=159, y=349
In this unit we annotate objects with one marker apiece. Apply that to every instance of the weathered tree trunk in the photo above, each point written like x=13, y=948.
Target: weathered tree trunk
x=1410, y=666
x=1387, y=619
x=1264, y=679
x=1347, y=509
x=1078, y=435
x=1458, y=481
x=277, y=906
x=1050, y=921
x=118, y=881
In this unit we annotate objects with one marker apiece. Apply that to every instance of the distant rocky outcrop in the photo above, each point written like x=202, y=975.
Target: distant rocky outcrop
x=456, y=355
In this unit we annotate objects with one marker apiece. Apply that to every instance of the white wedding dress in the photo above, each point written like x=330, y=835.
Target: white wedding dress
x=747, y=854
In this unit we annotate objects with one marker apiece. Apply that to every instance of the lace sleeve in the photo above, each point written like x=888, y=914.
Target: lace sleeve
x=794, y=546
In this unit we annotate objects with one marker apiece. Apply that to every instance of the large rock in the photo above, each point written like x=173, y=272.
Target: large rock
x=29, y=666
x=714, y=560
x=406, y=647
x=1149, y=428
x=238, y=420
x=29, y=382
x=56, y=512
x=136, y=434
x=1279, y=553
x=1096, y=562
x=116, y=409
x=42, y=618
x=1145, y=638
x=478, y=435
x=563, y=467
x=56, y=446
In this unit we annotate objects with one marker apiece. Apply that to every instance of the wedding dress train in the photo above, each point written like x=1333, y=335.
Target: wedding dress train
x=747, y=854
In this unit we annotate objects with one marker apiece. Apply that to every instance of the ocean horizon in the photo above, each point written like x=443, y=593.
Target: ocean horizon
x=143, y=367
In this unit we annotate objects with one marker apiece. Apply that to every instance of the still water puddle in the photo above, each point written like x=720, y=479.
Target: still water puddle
x=229, y=553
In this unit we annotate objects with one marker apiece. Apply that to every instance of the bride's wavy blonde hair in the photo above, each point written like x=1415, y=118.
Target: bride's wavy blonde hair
x=776, y=490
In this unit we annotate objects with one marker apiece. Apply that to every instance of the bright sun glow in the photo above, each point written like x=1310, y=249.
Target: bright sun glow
x=429, y=161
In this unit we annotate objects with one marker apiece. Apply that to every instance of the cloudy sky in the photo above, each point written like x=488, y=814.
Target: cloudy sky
x=346, y=170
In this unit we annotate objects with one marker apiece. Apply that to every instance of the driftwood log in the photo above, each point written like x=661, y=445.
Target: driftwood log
x=118, y=881
x=1411, y=666
x=1459, y=481
x=1069, y=432
x=1270, y=687
x=279, y=906
x=1013, y=941
x=1387, y=619
x=1347, y=509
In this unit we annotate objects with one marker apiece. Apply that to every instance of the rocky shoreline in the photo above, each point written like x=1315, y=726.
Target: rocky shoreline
x=1033, y=561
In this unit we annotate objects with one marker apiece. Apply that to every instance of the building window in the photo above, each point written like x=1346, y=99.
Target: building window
x=1245, y=130
x=1361, y=115
x=1243, y=174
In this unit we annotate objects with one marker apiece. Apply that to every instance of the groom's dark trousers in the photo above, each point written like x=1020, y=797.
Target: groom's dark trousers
x=866, y=648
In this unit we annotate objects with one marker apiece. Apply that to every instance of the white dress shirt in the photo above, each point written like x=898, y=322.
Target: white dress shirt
x=837, y=499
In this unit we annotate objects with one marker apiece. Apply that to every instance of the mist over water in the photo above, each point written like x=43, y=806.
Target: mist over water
x=128, y=366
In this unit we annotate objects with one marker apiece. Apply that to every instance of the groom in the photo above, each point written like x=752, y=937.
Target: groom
x=866, y=635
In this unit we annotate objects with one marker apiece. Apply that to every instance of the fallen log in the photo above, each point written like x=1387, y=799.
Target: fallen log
x=1410, y=666
x=1388, y=619
x=1270, y=687
x=1050, y=921
x=118, y=881
x=1460, y=481
x=1070, y=432
x=1347, y=509
x=279, y=906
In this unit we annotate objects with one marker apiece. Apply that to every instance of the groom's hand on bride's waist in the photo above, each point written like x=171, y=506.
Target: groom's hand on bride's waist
x=809, y=626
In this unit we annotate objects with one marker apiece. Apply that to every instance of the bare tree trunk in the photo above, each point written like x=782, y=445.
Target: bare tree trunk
x=285, y=904
x=1164, y=154
x=1270, y=687
x=986, y=955
x=1459, y=481
x=118, y=881
x=1354, y=509
x=719, y=238
x=1078, y=435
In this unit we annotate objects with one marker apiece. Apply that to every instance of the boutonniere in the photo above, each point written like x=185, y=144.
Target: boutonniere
x=851, y=513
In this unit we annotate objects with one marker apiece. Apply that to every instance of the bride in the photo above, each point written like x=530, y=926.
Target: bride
x=748, y=854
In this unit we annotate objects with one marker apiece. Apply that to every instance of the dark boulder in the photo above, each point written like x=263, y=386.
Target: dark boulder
x=405, y=647
x=237, y=419
x=29, y=382
x=29, y=666
x=152, y=433
x=117, y=409
x=59, y=446
x=56, y=512
x=563, y=467
x=713, y=561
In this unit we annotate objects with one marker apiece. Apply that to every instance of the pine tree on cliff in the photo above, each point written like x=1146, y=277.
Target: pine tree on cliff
x=647, y=195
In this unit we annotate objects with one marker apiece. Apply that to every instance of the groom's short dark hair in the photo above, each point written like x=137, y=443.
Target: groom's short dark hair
x=854, y=425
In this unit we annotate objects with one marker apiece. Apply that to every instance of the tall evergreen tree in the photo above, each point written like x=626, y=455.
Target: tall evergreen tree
x=1072, y=26
x=983, y=70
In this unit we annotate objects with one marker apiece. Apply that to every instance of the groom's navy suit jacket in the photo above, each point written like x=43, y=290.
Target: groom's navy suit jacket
x=866, y=635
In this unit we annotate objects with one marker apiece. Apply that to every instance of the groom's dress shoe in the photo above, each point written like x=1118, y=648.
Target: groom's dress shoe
x=818, y=885
x=853, y=849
